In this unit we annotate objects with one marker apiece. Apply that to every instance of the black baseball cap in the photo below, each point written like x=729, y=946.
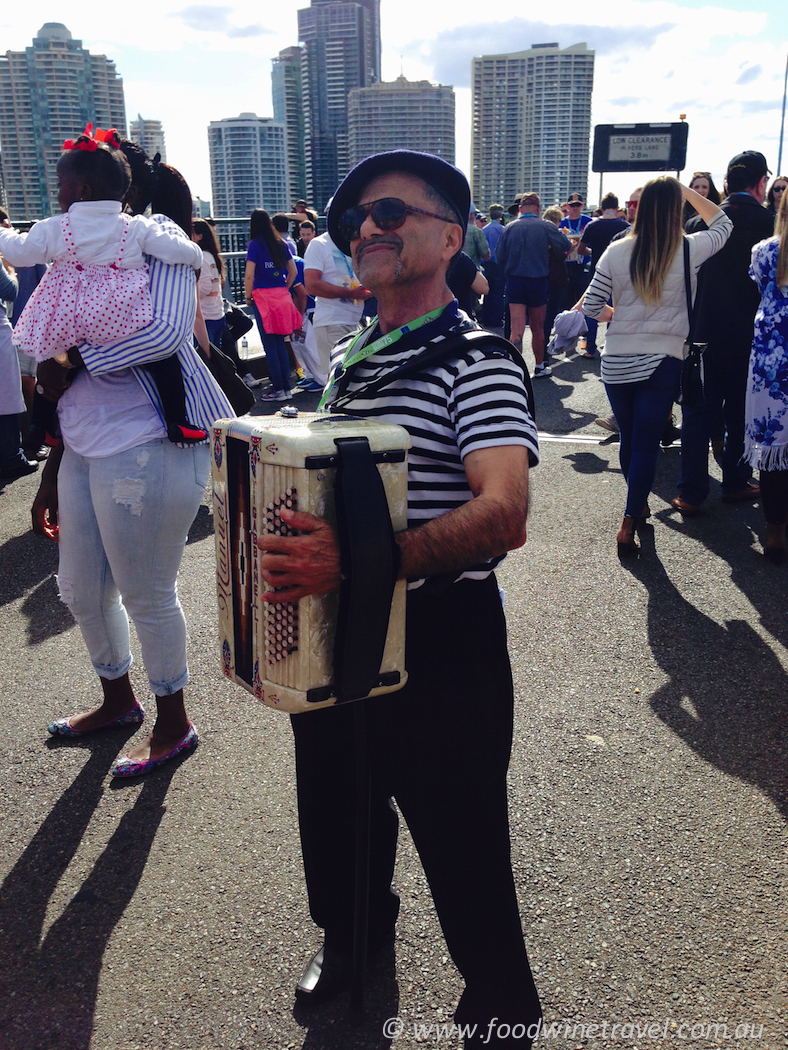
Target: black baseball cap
x=575, y=198
x=748, y=167
x=436, y=172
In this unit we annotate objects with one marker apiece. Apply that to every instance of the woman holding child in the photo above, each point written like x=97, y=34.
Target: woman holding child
x=121, y=497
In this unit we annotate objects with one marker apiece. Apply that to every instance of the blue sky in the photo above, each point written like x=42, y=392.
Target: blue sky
x=187, y=64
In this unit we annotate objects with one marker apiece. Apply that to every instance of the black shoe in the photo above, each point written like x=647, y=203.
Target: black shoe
x=185, y=433
x=19, y=469
x=36, y=454
x=326, y=974
x=670, y=434
x=330, y=972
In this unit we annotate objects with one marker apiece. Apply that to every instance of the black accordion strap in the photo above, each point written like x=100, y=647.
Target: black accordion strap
x=464, y=340
x=366, y=548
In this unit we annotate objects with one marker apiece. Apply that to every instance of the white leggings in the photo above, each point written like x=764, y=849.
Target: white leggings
x=123, y=526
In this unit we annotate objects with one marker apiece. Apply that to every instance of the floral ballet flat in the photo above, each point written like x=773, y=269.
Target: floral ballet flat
x=129, y=767
x=63, y=726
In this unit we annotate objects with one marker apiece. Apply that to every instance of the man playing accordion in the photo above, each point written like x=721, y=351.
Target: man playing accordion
x=440, y=747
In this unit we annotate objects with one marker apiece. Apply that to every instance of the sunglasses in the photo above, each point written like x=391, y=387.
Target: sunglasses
x=388, y=213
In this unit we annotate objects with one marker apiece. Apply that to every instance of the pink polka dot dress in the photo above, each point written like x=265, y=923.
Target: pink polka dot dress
x=79, y=303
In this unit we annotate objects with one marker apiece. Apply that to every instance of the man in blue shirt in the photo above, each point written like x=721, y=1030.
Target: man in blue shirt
x=576, y=265
x=522, y=252
x=494, y=306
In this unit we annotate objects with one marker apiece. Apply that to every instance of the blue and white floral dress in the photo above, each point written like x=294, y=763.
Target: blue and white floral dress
x=766, y=411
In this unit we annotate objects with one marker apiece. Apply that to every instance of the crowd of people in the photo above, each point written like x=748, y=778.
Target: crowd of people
x=672, y=268
x=129, y=464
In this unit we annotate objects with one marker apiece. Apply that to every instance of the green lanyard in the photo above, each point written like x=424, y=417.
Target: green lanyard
x=353, y=356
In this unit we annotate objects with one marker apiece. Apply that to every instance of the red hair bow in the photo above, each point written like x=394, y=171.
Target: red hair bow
x=85, y=141
x=90, y=142
x=110, y=137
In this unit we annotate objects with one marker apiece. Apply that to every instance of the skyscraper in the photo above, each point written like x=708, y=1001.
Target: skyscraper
x=49, y=92
x=342, y=43
x=248, y=157
x=403, y=114
x=286, y=86
x=531, y=123
x=150, y=135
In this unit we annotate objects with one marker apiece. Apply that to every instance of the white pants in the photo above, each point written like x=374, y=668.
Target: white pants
x=123, y=526
x=327, y=336
x=307, y=353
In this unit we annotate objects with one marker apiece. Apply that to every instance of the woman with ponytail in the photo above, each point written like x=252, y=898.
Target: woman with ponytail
x=648, y=324
x=766, y=410
x=270, y=271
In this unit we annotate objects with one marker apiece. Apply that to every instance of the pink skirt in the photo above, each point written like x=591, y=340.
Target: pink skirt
x=277, y=310
x=77, y=304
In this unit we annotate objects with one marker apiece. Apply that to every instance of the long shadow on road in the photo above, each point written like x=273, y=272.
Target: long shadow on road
x=48, y=987
x=726, y=697
x=30, y=563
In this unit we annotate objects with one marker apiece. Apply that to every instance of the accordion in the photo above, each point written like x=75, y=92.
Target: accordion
x=325, y=648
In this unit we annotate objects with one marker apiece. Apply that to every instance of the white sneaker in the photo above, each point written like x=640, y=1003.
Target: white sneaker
x=251, y=382
x=542, y=370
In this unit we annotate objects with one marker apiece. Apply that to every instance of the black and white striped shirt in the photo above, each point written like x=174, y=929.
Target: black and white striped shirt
x=474, y=400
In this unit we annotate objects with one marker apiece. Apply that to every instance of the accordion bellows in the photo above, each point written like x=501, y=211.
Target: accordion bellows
x=285, y=653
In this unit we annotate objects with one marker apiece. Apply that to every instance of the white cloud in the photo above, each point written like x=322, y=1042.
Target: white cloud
x=187, y=64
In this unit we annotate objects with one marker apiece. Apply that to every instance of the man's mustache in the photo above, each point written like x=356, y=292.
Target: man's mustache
x=373, y=242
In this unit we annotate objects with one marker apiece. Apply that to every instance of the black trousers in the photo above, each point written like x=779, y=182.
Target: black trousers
x=440, y=747
x=774, y=496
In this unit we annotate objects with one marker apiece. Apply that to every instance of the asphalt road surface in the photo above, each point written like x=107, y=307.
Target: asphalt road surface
x=647, y=784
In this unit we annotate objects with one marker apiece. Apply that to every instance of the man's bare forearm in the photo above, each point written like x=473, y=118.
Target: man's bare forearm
x=490, y=524
x=479, y=530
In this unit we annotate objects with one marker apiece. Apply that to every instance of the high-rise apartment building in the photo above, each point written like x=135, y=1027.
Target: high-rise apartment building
x=150, y=135
x=342, y=51
x=531, y=123
x=248, y=157
x=403, y=114
x=49, y=92
x=288, y=96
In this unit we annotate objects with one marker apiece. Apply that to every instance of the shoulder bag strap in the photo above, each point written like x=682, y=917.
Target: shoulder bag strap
x=688, y=288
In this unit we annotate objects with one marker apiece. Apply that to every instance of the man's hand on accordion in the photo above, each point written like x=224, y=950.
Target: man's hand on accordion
x=296, y=566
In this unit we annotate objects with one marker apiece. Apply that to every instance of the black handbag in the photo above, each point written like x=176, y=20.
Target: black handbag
x=691, y=395
x=237, y=322
x=223, y=371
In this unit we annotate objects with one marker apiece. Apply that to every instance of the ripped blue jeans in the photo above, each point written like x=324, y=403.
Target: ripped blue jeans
x=123, y=526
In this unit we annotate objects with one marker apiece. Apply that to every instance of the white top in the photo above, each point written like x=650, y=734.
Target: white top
x=103, y=415
x=97, y=228
x=334, y=268
x=640, y=328
x=209, y=289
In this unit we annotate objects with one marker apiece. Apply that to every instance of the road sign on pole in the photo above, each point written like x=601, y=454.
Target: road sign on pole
x=640, y=147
